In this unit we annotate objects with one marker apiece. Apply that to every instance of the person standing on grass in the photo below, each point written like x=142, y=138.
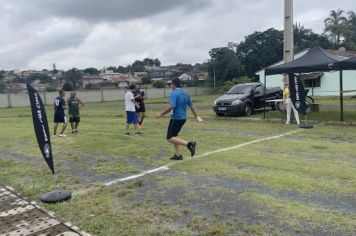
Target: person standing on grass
x=59, y=115
x=130, y=109
x=140, y=110
x=289, y=106
x=178, y=102
x=74, y=105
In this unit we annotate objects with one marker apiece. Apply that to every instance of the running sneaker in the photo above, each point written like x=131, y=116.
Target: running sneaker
x=54, y=136
x=191, y=147
x=138, y=133
x=62, y=135
x=127, y=133
x=176, y=157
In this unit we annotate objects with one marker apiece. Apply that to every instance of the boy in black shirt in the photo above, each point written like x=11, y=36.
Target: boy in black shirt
x=59, y=115
x=140, y=110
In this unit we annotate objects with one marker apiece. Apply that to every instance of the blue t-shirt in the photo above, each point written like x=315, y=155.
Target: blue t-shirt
x=179, y=99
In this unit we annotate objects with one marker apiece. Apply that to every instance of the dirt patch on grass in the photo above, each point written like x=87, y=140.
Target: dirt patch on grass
x=14, y=156
x=82, y=169
x=220, y=199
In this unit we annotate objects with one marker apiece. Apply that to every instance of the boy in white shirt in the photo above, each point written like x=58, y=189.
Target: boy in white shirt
x=131, y=116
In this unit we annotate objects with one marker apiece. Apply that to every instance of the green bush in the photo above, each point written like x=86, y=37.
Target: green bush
x=67, y=87
x=146, y=80
x=51, y=89
x=159, y=84
x=2, y=86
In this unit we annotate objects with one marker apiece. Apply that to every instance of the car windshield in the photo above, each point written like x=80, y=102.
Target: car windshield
x=240, y=89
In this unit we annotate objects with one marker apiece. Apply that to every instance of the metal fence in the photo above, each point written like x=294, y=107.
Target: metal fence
x=8, y=100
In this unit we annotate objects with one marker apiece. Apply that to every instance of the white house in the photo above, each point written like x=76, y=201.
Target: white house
x=319, y=83
x=185, y=77
x=108, y=75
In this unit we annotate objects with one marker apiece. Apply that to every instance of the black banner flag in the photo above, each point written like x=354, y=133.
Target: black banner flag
x=41, y=126
x=297, y=93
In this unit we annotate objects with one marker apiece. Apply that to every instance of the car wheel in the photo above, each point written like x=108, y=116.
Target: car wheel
x=220, y=114
x=248, y=110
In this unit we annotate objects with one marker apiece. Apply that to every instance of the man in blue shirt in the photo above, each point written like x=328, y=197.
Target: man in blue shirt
x=59, y=115
x=178, y=102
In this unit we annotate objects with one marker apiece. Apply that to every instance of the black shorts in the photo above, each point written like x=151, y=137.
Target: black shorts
x=142, y=107
x=75, y=119
x=59, y=118
x=174, y=128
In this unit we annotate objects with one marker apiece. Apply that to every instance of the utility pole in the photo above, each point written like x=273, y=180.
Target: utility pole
x=214, y=75
x=288, y=48
x=213, y=63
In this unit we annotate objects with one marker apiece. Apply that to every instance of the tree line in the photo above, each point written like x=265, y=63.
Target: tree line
x=261, y=49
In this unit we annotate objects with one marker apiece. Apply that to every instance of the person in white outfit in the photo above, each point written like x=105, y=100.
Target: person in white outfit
x=289, y=106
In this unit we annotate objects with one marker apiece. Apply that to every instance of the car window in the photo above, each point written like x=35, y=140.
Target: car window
x=259, y=89
x=240, y=89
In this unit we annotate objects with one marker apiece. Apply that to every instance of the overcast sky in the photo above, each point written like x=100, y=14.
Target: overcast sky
x=92, y=33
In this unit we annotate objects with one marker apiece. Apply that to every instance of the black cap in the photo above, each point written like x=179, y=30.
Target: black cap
x=177, y=82
x=132, y=87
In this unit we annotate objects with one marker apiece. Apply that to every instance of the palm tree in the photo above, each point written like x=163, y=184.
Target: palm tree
x=350, y=39
x=336, y=24
x=351, y=20
x=301, y=36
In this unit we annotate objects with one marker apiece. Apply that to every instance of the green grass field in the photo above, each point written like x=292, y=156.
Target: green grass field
x=301, y=183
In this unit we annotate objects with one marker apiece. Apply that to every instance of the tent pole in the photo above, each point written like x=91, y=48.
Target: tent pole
x=341, y=99
x=264, y=96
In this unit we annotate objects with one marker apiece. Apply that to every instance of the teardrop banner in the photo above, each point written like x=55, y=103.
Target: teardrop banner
x=297, y=93
x=40, y=125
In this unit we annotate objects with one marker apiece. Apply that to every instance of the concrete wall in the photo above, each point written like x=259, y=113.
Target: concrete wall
x=21, y=99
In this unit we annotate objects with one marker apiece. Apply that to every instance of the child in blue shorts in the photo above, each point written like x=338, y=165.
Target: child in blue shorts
x=131, y=117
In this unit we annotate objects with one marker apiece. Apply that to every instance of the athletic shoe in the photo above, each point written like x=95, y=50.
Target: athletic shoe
x=127, y=133
x=191, y=147
x=54, y=136
x=138, y=133
x=73, y=131
x=76, y=131
x=62, y=135
x=176, y=157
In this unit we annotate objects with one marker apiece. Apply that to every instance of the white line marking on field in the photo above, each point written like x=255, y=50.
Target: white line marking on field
x=137, y=176
x=248, y=143
x=166, y=167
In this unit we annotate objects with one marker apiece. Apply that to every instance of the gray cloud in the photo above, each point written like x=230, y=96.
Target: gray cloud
x=82, y=33
x=118, y=10
x=109, y=10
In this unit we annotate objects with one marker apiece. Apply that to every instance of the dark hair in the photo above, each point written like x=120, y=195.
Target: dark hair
x=177, y=82
x=132, y=87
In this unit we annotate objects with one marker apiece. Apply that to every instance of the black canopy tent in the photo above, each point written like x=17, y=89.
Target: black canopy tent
x=349, y=64
x=316, y=59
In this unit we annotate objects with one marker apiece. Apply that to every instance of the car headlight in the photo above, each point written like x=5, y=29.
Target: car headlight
x=215, y=102
x=236, y=102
